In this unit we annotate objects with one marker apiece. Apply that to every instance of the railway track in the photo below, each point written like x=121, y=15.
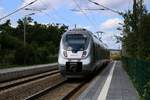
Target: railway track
x=75, y=90
x=63, y=90
x=23, y=87
x=45, y=86
x=24, y=80
x=55, y=92
x=44, y=91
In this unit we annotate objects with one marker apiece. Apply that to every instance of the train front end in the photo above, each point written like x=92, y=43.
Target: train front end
x=75, y=54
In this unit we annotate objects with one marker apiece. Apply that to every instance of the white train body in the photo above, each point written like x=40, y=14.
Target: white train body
x=77, y=53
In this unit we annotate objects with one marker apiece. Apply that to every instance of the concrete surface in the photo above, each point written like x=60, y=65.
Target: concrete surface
x=120, y=87
x=18, y=72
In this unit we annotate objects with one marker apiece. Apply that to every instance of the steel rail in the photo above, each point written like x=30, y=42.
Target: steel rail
x=71, y=93
x=24, y=80
x=44, y=91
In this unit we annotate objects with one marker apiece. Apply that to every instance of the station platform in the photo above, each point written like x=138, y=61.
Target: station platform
x=19, y=72
x=112, y=83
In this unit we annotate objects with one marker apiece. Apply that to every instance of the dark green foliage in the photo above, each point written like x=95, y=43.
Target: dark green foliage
x=42, y=43
x=139, y=71
x=9, y=42
x=25, y=55
x=144, y=40
x=136, y=33
x=146, y=95
x=136, y=45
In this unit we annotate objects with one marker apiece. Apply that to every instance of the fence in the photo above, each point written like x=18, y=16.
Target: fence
x=139, y=71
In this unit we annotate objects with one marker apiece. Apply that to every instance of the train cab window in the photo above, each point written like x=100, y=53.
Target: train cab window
x=77, y=42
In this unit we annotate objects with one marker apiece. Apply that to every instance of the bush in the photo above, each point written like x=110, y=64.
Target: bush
x=6, y=57
x=42, y=54
x=53, y=58
x=9, y=58
x=139, y=72
x=25, y=55
x=115, y=57
x=148, y=58
x=146, y=95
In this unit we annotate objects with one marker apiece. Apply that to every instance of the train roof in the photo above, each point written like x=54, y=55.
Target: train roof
x=85, y=31
x=78, y=31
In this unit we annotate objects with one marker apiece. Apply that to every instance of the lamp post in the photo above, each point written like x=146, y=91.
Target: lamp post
x=24, y=37
x=25, y=21
x=0, y=44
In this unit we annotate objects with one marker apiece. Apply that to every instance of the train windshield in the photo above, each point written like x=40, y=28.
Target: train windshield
x=77, y=42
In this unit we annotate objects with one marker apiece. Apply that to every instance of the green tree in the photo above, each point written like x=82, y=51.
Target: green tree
x=42, y=42
x=133, y=38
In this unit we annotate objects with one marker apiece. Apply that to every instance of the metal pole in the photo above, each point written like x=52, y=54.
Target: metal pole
x=25, y=31
x=25, y=22
x=24, y=39
x=99, y=35
x=75, y=26
x=24, y=36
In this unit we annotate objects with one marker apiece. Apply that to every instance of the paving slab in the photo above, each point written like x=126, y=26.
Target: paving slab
x=120, y=87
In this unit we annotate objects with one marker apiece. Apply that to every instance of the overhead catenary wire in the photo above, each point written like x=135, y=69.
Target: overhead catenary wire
x=18, y=10
x=84, y=13
x=38, y=10
x=57, y=14
x=50, y=16
x=88, y=9
x=112, y=10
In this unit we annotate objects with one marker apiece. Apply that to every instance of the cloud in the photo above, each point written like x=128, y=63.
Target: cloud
x=2, y=13
x=109, y=39
x=110, y=24
x=80, y=26
x=43, y=4
x=109, y=27
x=107, y=3
x=118, y=5
x=46, y=6
x=113, y=3
x=146, y=1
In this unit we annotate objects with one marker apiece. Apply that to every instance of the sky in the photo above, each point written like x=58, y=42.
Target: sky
x=60, y=11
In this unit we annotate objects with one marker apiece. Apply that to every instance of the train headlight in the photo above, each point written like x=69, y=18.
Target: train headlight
x=65, y=53
x=84, y=53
